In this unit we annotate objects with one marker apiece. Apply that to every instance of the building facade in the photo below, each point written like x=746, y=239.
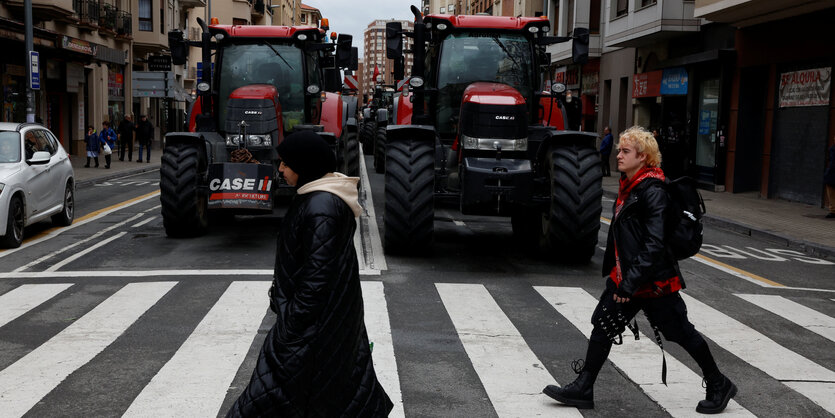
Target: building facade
x=374, y=58
x=309, y=16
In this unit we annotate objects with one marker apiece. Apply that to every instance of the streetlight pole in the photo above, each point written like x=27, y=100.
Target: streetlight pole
x=30, y=94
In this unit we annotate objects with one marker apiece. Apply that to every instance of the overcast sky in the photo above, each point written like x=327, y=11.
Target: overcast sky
x=352, y=17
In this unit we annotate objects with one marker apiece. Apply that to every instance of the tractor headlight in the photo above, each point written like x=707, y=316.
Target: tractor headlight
x=251, y=140
x=416, y=82
x=489, y=144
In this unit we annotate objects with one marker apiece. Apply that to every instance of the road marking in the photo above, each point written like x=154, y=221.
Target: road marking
x=30, y=378
x=512, y=375
x=379, y=332
x=54, y=232
x=21, y=299
x=795, y=371
x=378, y=259
x=144, y=222
x=77, y=243
x=144, y=273
x=195, y=380
x=808, y=318
x=639, y=360
x=84, y=252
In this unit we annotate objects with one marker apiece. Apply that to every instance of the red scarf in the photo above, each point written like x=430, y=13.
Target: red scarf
x=658, y=288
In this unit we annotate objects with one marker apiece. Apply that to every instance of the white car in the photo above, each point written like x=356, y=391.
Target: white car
x=36, y=180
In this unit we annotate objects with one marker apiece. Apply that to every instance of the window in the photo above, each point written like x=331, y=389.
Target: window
x=645, y=3
x=146, y=16
x=621, y=7
x=451, y=9
x=443, y=10
x=304, y=18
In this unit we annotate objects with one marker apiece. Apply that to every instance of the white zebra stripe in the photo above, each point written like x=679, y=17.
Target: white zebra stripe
x=808, y=318
x=379, y=333
x=21, y=299
x=209, y=358
x=29, y=379
x=639, y=360
x=512, y=375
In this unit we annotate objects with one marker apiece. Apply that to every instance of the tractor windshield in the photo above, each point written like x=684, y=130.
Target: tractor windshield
x=467, y=57
x=261, y=63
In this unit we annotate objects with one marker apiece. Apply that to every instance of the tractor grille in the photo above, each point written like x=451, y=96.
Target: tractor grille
x=259, y=114
x=494, y=121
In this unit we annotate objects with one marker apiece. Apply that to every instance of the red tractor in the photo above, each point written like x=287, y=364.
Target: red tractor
x=476, y=130
x=265, y=82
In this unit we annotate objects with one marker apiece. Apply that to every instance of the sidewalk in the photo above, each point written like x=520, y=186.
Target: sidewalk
x=85, y=177
x=798, y=226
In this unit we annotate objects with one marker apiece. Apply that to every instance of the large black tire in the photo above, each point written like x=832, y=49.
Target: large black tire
x=572, y=222
x=184, y=207
x=366, y=136
x=380, y=150
x=351, y=156
x=409, y=196
x=15, y=223
x=67, y=214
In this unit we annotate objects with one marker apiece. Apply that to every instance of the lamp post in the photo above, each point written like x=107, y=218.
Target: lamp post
x=30, y=47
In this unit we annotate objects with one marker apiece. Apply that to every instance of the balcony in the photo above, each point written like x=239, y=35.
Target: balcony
x=124, y=25
x=108, y=15
x=190, y=4
x=45, y=9
x=87, y=12
x=741, y=13
x=644, y=25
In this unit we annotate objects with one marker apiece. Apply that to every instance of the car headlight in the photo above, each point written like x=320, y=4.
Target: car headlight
x=251, y=140
x=489, y=144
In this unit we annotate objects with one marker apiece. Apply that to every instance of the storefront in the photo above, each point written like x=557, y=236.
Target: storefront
x=589, y=90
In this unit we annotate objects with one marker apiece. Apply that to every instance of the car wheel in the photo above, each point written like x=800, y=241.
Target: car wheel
x=14, y=225
x=67, y=214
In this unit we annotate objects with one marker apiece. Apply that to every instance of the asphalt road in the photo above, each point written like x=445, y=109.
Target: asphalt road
x=110, y=317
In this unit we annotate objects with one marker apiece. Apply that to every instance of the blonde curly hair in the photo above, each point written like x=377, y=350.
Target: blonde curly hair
x=644, y=143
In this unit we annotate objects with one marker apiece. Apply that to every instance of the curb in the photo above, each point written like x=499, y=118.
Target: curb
x=810, y=248
x=81, y=184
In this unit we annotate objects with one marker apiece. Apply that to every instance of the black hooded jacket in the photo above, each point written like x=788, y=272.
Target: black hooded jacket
x=639, y=232
x=316, y=360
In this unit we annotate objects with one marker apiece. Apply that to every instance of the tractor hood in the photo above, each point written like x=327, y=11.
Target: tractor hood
x=492, y=94
x=258, y=105
x=493, y=110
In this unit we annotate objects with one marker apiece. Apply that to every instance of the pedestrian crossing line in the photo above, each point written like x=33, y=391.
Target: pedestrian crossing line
x=379, y=332
x=21, y=299
x=512, y=375
x=89, y=274
x=639, y=360
x=29, y=379
x=194, y=382
x=808, y=318
x=795, y=371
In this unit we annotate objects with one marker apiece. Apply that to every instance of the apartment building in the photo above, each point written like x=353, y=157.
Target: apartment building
x=310, y=16
x=374, y=42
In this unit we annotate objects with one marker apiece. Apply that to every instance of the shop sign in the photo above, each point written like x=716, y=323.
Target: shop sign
x=805, y=87
x=646, y=84
x=674, y=81
x=570, y=76
x=590, y=83
x=159, y=63
x=78, y=45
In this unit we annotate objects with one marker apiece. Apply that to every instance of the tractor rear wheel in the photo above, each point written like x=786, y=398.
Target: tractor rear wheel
x=573, y=218
x=380, y=150
x=409, y=212
x=351, y=156
x=184, y=207
x=366, y=134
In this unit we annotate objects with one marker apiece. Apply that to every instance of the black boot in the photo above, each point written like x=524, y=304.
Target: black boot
x=720, y=390
x=88, y=162
x=579, y=393
x=96, y=159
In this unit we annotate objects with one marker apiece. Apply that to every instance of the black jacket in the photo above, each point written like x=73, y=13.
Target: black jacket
x=639, y=232
x=829, y=174
x=144, y=132
x=316, y=360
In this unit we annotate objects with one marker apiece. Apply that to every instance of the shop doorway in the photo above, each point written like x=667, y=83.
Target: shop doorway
x=750, y=133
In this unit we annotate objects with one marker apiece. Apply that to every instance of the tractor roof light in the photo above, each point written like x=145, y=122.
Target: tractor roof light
x=416, y=82
x=203, y=87
x=428, y=25
x=546, y=29
x=324, y=24
x=533, y=29
x=441, y=26
x=301, y=37
x=219, y=36
x=558, y=88
x=333, y=36
x=313, y=89
x=214, y=21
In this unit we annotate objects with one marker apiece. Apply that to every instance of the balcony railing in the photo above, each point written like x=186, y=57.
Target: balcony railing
x=87, y=11
x=108, y=16
x=124, y=24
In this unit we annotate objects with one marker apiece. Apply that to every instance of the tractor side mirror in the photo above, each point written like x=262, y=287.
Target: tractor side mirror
x=343, y=50
x=354, y=59
x=394, y=40
x=580, y=46
x=177, y=45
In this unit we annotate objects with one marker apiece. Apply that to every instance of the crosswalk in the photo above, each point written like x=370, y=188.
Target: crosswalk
x=508, y=369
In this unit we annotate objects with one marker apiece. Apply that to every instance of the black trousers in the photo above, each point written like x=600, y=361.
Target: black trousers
x=667, y=313
x=126, y=143
x=604, y=163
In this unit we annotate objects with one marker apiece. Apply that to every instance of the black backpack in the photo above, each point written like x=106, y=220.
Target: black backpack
x=685, y=229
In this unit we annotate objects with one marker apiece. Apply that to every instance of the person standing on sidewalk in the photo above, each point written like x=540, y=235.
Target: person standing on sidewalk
x=641, y=275
x=126, y=128
x=829, y=181
x=93, y=145
x=316, y=359
x=107, y=137
x=145, y=137
x=606, y=151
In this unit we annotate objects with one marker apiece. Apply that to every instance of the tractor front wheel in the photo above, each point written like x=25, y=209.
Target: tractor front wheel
x=351, y=156
x=409, y=195
x=184, y=206
x=366, y=136
x=380, y=151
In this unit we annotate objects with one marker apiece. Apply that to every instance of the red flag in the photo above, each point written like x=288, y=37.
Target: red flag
x=376, y=73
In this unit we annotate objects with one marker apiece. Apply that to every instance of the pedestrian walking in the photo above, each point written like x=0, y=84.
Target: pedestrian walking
x=107, y=137
x=606, y=151
x=641, y=275
x=316, y=360
x=93, y=145
x=126, y=128
x=829, y=181
x=145, y=137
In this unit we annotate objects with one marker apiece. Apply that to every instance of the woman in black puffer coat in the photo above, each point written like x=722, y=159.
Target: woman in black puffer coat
x=316, y=360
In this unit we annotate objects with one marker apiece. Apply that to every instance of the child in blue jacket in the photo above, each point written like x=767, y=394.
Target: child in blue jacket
x=107, y=137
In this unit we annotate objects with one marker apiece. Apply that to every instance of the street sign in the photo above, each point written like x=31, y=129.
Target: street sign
x=159, y=63
x=34, y=71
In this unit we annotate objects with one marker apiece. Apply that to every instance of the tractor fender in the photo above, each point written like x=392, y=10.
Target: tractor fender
x=382, y=116
x=351, y=125
x=564, y=138
x=395, y=133
x=332, y=114
x=404, y=109
x=211, y=146
x=366, y=113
